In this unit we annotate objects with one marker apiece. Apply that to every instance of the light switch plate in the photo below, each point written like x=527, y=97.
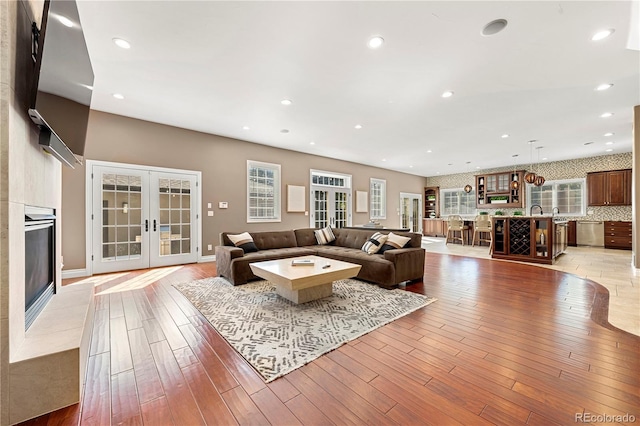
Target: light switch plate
x=223, y=205
x=210, y=213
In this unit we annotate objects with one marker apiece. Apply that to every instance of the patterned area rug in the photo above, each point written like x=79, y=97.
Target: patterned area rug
x=277, y=336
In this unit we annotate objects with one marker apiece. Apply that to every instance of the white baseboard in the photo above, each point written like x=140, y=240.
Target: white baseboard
x=74, y=273
x=204, y=259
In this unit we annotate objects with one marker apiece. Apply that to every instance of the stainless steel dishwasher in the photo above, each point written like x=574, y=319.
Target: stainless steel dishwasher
x=590, y=233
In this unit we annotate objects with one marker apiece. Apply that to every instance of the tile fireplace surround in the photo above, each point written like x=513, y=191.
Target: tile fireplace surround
x=40, y=370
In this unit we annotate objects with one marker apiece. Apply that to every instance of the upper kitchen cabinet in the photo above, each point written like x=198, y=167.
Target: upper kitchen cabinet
x=500, y=190
x=610, y=188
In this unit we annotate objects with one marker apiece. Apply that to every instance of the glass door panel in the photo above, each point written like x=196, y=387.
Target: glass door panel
x=173, y=230
x=340, y=213
x=320, y=216
x=118, y=227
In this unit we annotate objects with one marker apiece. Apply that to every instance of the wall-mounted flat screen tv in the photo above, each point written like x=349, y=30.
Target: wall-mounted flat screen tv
x=63, y=81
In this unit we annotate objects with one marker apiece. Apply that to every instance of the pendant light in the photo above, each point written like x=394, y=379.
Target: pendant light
x=530, y=177
x=468, y=188
x=515, y=184
x=539, y=180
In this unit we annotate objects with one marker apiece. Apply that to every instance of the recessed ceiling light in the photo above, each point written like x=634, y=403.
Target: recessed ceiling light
x=606, y=115
x=358, y=126
x=245, y=127
x=375, y=42
x=494, y=27
x=284, y=131
x=411, y=167
x=65, y=21
x=533, y=141
x=312, y=143
x=505, y=136
x=450, y=164
x=545, y=159
x=604, y=86
x=608, y=149
x=429, y=151
x=602, y=34
x=609, y=134
x=122, y=43
x=609, y=143
x=286, y=102
x=447, y=94
x=477, y=167
x=587, y=143
x=118, y=96
x=384, y=159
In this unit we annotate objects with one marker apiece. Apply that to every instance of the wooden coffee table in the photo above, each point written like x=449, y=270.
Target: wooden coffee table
x=301, y=284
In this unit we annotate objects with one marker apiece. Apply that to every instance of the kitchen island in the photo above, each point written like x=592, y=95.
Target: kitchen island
x=537, y=239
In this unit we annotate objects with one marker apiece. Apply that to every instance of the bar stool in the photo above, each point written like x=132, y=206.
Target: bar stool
x=455, y=224
x=482, y=225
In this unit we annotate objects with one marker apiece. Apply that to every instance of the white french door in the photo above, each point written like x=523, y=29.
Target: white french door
x=411, y=211
x=330, y=207
x=142, y=218
x=330, y=199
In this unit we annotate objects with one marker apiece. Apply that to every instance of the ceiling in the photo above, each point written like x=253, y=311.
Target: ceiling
x=217, y=67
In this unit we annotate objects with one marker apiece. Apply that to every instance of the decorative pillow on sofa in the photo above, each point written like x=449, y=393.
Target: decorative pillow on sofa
x=244, y=241
x=394, y=242
x=374, y=243
x=324, y=235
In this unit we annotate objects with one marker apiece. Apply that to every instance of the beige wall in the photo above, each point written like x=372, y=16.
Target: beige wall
x=556, y=170
x=223, y=163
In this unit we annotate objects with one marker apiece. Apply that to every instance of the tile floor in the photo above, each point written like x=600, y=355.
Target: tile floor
x=611, y=268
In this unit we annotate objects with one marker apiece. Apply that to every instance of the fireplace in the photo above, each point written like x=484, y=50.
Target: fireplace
x=40, y=276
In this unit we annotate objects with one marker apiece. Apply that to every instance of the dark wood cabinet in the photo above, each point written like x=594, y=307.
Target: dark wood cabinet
x=572, y=234
x=431, y=202
x=434, y=227
x=617, y=235
x=610, y=188
x=500, y=190
x=528, y=239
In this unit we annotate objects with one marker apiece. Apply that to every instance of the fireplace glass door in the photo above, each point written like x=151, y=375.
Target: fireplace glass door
x=142, y=219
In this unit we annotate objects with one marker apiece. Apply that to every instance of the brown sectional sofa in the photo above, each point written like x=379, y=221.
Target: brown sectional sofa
x=387, y=270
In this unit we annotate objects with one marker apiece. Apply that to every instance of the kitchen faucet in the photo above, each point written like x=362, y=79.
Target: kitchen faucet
x=554, y=211
x=531, y=209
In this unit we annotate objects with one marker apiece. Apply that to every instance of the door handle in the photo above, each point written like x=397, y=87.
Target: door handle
x=154, y=225
x=146, y=225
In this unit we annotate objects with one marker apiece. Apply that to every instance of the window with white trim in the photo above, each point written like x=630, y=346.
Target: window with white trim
x=263, y=192
x=378, y=204
x=568, y=195
x=456, y=201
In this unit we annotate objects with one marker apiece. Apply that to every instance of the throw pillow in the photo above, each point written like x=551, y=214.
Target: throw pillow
x=244, y=241
x=394, y=242
x=324, y=235
x=374, y=243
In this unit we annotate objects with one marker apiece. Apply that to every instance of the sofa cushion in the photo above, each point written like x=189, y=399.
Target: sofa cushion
x=394, y=241
x=374, y=243
x=243, y=241
x=325, y=235
x=275, y=239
